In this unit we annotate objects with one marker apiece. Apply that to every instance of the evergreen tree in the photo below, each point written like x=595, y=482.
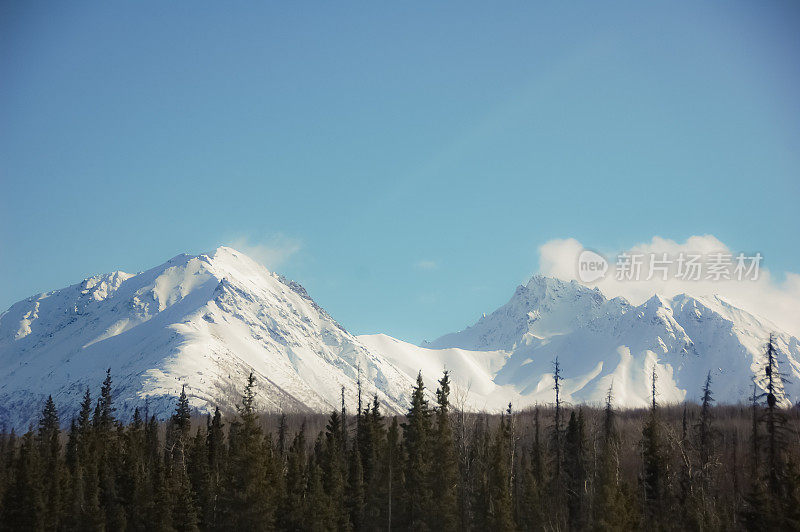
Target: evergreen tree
x=282, y=428
x=184, y=512
x=90, y=512
x=199, y=471
x=50, y=453
x=316, y=509
x=613, y=508
x=106, y=404
x=556, y=480
x=416, y=440
x=444, y=472
x=217, y=457
x=575, y=471
x=23, y=505
x=653, y=463
x=291, y=515
x=703, y=499
x=135, y=482
x=480, y=503
x=249, y=499
x=355, y=488
x=774, y=495
x=373, y=453
x=500, y=516
x=528, y=501
x=395, y=478
x=334, y=474
x=161, y=516
x=529, y=513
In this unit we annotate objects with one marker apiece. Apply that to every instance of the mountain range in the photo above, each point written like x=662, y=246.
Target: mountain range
x=205, y=322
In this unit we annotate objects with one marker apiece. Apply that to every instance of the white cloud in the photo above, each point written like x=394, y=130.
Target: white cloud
x=777, y=301
x=272, y=251
x=426, y=264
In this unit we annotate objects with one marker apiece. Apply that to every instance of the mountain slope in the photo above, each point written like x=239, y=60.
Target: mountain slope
x=601, y=341
x=204, y=321
x=207, y=321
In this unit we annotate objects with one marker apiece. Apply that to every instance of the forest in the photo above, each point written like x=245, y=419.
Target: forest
x=438, y=467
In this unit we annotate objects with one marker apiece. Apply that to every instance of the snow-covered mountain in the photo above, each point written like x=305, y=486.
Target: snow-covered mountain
x=207, y=321
x=202, y=321
x=602, y=342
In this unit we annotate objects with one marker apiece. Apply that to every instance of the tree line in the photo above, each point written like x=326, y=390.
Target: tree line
x=438, y=467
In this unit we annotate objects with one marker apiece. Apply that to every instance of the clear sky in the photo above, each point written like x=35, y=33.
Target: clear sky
x=404, y=161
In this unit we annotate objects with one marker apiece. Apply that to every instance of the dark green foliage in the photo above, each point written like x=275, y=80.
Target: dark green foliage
x=334, y=473
x=575, y=471
x=613, y=504
x=291, y=515
x=374, y=451
x=440, y=468
x=773, y=500
x=654, y=464
x=50, y=454
x=499, y=515
x=247, y=490
x=444, y=472
x=23, y=504
x=417, y=444
x=178, y=484
x=394, y=478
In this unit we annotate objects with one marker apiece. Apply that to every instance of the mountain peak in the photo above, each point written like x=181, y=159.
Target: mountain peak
x=206, y=321
x=605, y=340
x=544, y=285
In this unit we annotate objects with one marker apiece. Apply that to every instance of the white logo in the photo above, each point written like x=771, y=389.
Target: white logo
x=591, y=266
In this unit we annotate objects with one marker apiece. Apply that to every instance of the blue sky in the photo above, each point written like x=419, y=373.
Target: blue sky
x=404, y=162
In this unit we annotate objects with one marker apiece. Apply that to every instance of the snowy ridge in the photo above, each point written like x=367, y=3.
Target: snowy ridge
x=601, y=341
x=207, y=321
x=204, y=321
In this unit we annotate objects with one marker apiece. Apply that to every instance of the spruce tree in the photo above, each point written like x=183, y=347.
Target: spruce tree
x=575, y=471
x=702, y=506
x=249, y=500
x=291, y=515
x=373, y=454
x=500, y=514
x=108, y=452
x=135, y=486
x=556, y=481
x=316, y=510
x=480, y=504
x=355, y=488
x=50, y=453
x=653, y=463
x=774, y=494
x=529, y=513
x=199, y=472
x=217, y=457
x=529, y=510
x=417, y=443
x=334, y=472
x=87, y=503
x=282, y=428
x=106, y=403
x=23, y=504
x=184, y=511
x=613, y=508
x=444, y=472
x=395, y=478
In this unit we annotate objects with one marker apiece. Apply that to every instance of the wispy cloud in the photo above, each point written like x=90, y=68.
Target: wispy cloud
x=273, y=251
x=777, y=301
x=426, y=264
